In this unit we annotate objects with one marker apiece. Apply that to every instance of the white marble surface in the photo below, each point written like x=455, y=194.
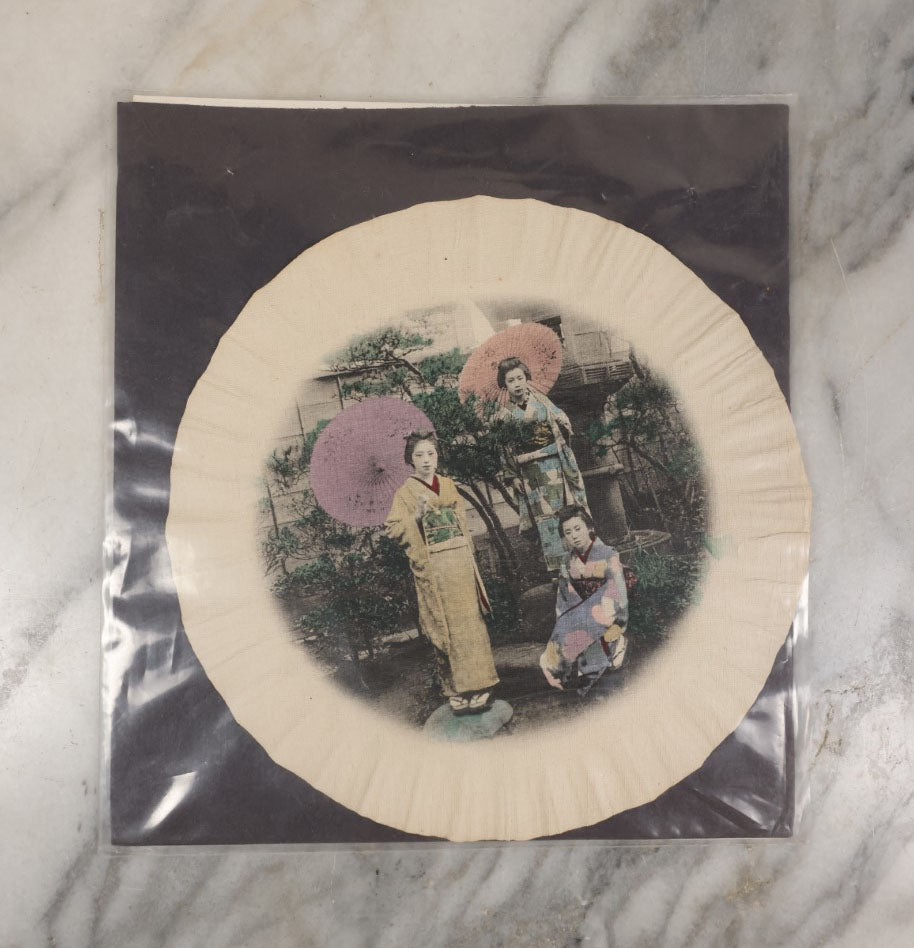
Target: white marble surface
x=847, y=878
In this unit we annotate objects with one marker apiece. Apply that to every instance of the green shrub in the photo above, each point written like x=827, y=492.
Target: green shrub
x=667, y=584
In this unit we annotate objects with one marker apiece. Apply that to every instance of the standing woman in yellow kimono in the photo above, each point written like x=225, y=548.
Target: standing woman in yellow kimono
x=428, y=519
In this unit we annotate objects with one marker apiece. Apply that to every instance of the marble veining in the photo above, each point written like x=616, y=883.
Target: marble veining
x=845, y=880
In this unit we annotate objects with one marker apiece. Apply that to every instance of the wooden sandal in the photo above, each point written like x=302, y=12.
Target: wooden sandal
x=475, y=704
x=480, y=702
x=459, y=704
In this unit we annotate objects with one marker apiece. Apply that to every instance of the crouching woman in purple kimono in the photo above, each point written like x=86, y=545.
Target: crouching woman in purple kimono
x=591, y=608
x=428, y=519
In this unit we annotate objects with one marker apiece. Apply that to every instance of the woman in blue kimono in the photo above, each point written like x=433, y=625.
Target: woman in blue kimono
x=591, y=609
x=544, y=471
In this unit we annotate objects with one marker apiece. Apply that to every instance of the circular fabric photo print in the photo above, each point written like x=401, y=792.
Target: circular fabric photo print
x=488, y=519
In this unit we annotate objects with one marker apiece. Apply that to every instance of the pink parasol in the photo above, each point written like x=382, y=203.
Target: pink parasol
x=357, y=464
x=537, y=346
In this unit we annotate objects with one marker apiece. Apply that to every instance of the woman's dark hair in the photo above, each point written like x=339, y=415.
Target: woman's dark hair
x=506, y=365
x=575, y=510
x=413, y=438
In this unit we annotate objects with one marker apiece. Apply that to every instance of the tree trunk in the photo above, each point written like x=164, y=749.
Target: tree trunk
x=500, y=541
x=506, y=496
x=498, y=529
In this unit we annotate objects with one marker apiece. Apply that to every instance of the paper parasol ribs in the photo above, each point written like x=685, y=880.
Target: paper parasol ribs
x=537, y=346
x=357, y=464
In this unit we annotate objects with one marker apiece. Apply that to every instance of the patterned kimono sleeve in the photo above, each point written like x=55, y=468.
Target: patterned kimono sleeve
x=566, y=597
x=561, y=417
x=618, y=575
x=612, y=612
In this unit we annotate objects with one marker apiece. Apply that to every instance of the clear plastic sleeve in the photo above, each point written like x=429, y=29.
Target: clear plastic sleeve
x=212, y=203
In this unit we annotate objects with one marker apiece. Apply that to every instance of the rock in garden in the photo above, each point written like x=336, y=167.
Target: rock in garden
x=444, y=725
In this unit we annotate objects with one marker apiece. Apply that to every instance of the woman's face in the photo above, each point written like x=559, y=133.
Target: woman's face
x=576, y=533
x=425, y=460
x=517, y=384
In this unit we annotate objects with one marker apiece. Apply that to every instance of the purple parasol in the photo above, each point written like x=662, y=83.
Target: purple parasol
x=357, y=464
x=537, y=346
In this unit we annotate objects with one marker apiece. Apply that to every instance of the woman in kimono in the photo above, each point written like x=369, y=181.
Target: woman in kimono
x=591, y=609
x=428, y=519
x=544, y=472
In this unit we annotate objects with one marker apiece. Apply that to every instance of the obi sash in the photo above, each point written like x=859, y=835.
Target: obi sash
x=441, y=528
